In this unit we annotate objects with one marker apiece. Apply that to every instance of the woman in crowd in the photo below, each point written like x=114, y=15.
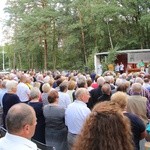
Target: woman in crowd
x=105, y=129
x=38, y=107
x=44, y=96
x=71, y=88
x=137, y=125
x=122, y=88
x=89, y=83
x=55, y=129
x=10, y=98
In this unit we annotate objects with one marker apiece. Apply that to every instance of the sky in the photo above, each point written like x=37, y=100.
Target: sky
x=2, y=5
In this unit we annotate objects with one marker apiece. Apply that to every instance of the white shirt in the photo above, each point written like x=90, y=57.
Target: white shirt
x=75, y=116
x=23, y=92
x=121, y=67
x=13, y=142
x=70, y=92
x=90, y=88
x=64, y=99
x=117, y=67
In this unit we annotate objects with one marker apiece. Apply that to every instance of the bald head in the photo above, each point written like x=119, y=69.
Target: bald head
x=82, y=94
x=106, y=89
x=18, y=116
x=100, y=81
x=139, y=80
x=23, y=78
x=136, y=88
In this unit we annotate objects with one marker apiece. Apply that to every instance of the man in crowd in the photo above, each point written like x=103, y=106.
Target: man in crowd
x=76, y=113
x=106, y=93
x=144, y=92
x=96, y=93
x=137, y=105
x=20, y=123
x=23, y=90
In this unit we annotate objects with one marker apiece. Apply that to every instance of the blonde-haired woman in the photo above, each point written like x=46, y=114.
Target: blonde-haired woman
x=44, y=96
x=137, y=125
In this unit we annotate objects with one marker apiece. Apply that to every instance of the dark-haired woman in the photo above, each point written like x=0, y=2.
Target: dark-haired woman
x=55, y=130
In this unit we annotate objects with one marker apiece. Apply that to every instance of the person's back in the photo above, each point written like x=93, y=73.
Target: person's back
x=10, y=98
x=138, y=128
x=96, y=93
x=23, y=90
x=20, y=123
x=55, y=128
x=54, y=117
x=146, y=84
x=137, y=125
x=44, y=96
x=39, y=134
x=106, y=93
x=105, y=129
x=64, y=98
x=76, y=114
x=137, y=104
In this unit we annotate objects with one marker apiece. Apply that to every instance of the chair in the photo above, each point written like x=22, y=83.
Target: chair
x=43, y=146
x=2, y=131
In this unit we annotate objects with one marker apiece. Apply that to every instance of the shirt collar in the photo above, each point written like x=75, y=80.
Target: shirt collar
x=80, y=102
x=21, y=140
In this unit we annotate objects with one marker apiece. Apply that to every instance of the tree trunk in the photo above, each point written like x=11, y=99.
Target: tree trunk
x=54, y=44
x=45, y=54
x=14, y=61
x=29, y=61
x=44, y=4
x=83, y=38
x=32, y=62
x=109, y=34
x=20, y=61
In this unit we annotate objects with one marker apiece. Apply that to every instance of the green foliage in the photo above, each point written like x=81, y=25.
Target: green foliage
x=65, y=34
x=112, y=55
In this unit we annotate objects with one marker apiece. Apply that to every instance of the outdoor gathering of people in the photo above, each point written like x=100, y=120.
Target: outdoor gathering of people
x=75, y=111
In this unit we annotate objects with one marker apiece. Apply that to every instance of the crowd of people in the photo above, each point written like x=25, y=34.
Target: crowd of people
x=75, y=110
